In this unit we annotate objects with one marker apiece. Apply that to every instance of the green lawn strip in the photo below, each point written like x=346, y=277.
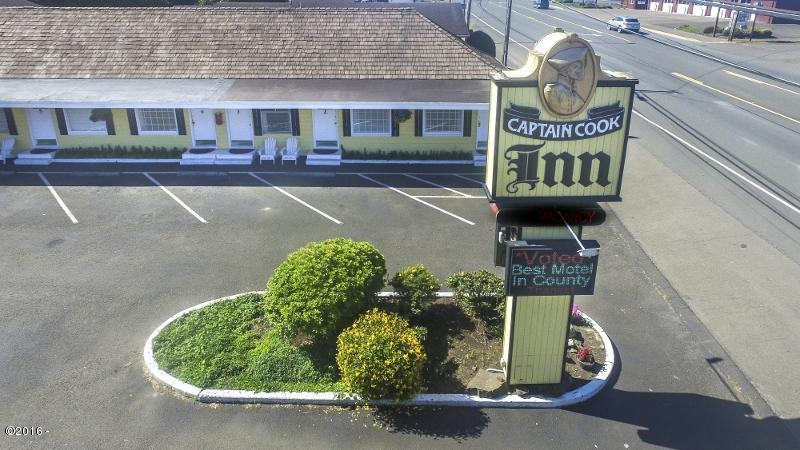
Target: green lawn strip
x=229, y=345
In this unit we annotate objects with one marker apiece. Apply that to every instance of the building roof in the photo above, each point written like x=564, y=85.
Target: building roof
x=233, y=43
x=449, y=16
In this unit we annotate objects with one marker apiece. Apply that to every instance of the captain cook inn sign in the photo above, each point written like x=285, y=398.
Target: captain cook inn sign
x=559, y=127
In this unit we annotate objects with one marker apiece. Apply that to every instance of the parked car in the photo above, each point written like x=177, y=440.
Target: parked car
x=621, y=24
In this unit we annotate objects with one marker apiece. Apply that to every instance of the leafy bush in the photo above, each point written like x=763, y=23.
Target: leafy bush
x=211, y=343
x=274, y=364
x=381, y=356
x=120, y=151
x=416, y=287
x=320, y=288
x=481, y=295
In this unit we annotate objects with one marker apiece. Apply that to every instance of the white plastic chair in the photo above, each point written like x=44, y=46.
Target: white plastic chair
x=5, y=148
x=269, y=151
x=291, y=151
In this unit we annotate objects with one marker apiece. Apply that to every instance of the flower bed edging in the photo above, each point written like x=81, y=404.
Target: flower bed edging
x=581, y=394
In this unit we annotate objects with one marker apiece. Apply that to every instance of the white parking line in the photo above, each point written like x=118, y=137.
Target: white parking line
x=332, y=219
x=720, y=163
x=174, y=197
x=467, y=178
x=58, y=198
x=450, y=196
x=435, y=185
x=416, y=199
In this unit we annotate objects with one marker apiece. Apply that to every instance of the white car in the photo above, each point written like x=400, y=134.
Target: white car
x=621, y=24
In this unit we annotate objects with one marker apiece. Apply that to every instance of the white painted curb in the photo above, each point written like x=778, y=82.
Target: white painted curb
x=114, y=160
x=581, y=394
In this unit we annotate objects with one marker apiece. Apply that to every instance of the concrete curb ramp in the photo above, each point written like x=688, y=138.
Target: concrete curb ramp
x=332, y=398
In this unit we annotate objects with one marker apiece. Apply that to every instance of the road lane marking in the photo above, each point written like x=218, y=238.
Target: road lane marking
x=720, y=163
x=174, y=197
x=435, y=185
x=286, y=193
x=756, y=105
x=760, y=82
x=58, y=198
x=664, y=33
x=451, y=196
x=416, y=199
x=567, y=21
x=501, y=33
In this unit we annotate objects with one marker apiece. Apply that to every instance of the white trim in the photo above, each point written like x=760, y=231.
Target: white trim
x=72, y=132
x=141, y=132
x=252, y=134
x=353, y=133
x=441, y=133
x=246, y=105
x=579, y=395
x=30, y=130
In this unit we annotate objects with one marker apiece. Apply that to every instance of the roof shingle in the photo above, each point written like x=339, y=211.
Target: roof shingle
x=232, y=43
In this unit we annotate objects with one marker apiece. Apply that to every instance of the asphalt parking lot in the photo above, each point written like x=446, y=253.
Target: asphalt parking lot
x=92, y=263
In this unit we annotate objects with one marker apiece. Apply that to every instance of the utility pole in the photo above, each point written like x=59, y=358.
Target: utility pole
x=508, y=32
x=716, y=22
x=469, y=12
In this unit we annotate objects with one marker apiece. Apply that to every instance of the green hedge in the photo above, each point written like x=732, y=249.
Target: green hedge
x=406, y=155
x=120, y=151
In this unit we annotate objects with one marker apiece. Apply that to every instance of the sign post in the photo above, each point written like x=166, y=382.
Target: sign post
x=558, y=131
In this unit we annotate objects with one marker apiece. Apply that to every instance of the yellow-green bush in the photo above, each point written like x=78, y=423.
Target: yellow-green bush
x=381, y=357
x=416, y=287
x=320, y=288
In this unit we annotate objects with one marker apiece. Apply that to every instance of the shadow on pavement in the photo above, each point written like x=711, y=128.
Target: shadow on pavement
x=454, y=423
x=691, y=421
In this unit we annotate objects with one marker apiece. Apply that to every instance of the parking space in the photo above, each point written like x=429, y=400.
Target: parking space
x=242, y=199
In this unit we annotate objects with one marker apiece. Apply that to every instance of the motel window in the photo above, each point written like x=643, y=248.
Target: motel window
x=3, y=122
x=276, y=121
x=443, y=122
x=157, y=121
x=371, y=122
x=79, y=122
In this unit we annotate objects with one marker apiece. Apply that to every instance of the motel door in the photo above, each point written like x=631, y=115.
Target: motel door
x=43, y=132
x=240, y=128
x=482, y=139
x=204, y=131
x=326, y=131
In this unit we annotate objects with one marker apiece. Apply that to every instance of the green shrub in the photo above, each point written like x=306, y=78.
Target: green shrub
x=275, y=363
x=406, y=154
x=320, y=288
x=481, y=295
x=416, y=287
x=211, y=343
x=381, y=357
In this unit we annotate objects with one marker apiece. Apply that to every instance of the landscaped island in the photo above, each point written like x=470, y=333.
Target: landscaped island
x=321, y=326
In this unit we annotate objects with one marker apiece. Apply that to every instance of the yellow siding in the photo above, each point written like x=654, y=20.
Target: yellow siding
x=123, y=135
x=124, y=138
x=408, y=142
x=539, y=328
x=22, y=141
x=540, y=331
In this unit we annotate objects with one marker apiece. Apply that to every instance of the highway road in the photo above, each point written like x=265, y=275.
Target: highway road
x=733, y=135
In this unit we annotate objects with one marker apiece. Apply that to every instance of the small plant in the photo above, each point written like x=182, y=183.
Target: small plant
x=576, y=316
x=481, y=295
x=275, y=362
x=586, y=355
x=320, y=288
x=381, y=357
x=416, y=287
x=400, y=115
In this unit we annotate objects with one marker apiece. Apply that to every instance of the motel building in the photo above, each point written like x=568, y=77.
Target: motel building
x=235, y=85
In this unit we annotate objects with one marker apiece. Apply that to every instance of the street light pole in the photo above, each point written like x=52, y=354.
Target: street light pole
x=508, y=32
x=469, y=12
